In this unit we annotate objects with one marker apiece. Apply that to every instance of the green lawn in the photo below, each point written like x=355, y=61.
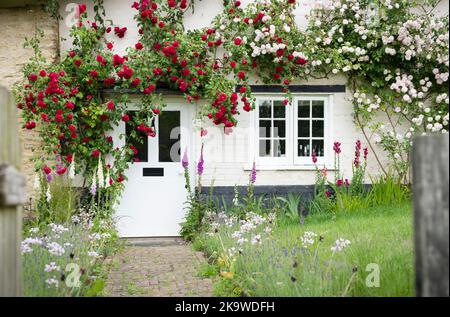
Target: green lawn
x=280, y=266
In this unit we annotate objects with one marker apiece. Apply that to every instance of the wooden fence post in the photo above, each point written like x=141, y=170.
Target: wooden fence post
x=430, y=167
x=12, y=195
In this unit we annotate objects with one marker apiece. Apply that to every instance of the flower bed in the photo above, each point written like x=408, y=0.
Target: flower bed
x=326, y=256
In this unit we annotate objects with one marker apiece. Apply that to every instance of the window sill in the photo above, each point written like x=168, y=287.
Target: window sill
x=286, y=167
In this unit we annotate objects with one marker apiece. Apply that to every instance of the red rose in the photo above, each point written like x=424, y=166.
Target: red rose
x=148, y=90
x=109, y=81
x=95, y=153
x=111, y=105
x=156, y=111
x=82, y=8
x=243, y=90
x=120, y=32
x=183, y=86
x=136, y=82
x=120, y=179
x=139, y=46
x=171, y=3
x=117, y=60
x=61, y=171
x=238, y=41
x=30, y=125
x=280, y=53
x=241, y=75
x=72, y=54
x=78, y=62
x=93, y=73
x=43, y=73
x=70, y=105
x=125, y=118
x=109, y=45
x=47, y=170
x=32, y=77
x=72, y=128
x=237, y=3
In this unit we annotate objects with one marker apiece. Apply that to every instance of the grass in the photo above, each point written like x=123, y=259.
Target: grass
x=381, y=237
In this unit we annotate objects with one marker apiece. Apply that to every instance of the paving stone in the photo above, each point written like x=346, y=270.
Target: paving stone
x=157, y=270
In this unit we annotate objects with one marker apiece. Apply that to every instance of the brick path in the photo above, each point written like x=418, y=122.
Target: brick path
x=157, y=267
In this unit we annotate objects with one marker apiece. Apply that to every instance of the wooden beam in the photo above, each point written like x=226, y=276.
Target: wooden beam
x=430, y=167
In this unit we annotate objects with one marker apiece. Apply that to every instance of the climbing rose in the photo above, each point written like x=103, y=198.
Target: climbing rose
x=81, y=8
x=95, y=153
x=139, y=46
x=111, y=105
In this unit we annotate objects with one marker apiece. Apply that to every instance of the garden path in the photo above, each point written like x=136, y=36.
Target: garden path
x=157, y=267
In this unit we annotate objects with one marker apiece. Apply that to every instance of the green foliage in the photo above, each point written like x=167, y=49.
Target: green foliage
x=292, y=206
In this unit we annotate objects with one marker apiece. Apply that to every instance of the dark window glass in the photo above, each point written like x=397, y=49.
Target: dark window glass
x=264, y=147
x=279, y=128
x=303, y=148
x=279, y=109
x=303, y=109
x=264, y=128
x=303, y=128
x=317, y=109
x=279, y=147
x=317, y=146
x=169, y=136
x=265, y=109
x=137, y=139
x=317, y=128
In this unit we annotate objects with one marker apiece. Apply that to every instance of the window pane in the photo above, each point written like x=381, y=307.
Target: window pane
x=317, y=146
x=303, y=128
x=137, y=139
x=317, y=109
x=264, y=128
x=303, y=109
x=264, y=148
x=279, y=109
x=317, y=128
x=169, y=136
x=279, y=147
x=279, y=128
x=265, y=109
x=303, y=148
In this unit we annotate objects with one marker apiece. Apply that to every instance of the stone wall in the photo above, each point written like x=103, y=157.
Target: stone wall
x=15, y=25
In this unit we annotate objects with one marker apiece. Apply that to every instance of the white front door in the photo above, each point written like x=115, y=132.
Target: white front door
x=153, y=201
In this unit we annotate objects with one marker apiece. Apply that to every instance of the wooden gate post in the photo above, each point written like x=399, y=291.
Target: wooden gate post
x=430, y=168
x=12, y=195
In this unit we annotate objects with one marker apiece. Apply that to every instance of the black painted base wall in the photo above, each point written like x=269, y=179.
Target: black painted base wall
x=227, y=192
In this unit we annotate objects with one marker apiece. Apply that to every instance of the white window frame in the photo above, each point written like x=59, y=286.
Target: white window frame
x=291, y=160
x=273, y=161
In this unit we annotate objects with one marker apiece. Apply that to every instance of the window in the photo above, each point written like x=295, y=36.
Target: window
x=288, y=135
x=273, y=127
